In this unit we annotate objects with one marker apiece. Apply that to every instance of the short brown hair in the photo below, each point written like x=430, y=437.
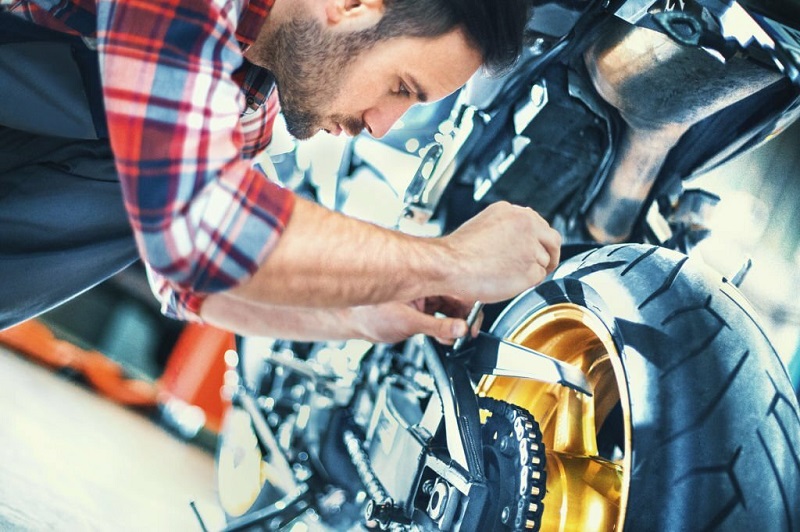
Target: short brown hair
x=494, y=27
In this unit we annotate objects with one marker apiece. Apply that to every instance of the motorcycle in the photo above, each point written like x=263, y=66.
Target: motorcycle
x=634, y=388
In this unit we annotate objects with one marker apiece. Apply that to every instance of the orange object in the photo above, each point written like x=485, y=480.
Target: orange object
x=195, y=371
x=35, y=339
x=194, y=374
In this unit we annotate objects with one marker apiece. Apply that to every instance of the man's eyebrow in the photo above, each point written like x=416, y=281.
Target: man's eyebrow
x=421, y=94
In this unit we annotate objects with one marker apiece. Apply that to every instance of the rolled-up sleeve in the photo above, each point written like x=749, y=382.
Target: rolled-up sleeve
x=203, y=217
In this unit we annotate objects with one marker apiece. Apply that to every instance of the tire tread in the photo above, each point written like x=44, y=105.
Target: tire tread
x=703, y=403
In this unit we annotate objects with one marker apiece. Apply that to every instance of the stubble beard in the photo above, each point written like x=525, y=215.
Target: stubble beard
x=309, y=65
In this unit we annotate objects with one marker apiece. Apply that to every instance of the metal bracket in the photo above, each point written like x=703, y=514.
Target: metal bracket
x=437, y=168
x=459, y=410
x=490, y=355
x=267, y=438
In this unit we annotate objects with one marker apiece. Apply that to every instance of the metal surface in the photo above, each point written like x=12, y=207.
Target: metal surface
x=278, y=460
x=468, y=421
x=439, y=498
x=437, y=169
x=455, y=446
x=515, y=463
x=309, y=369
x=361, y=461
x=279, y=508
x=471, y=317
x=490, y=355
x=584, y=490
x=660, y=89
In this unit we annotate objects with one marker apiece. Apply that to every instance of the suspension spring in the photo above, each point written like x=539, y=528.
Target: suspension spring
x=361, y=461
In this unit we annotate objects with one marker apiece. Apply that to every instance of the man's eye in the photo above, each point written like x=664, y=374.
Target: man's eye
x=403, y=90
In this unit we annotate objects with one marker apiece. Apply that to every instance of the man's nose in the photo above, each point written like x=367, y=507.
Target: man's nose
x=379, y=120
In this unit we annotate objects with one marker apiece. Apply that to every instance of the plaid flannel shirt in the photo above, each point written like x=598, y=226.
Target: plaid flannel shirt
x=186, y=114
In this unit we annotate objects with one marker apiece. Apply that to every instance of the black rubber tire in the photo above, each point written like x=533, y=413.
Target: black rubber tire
x=715, y=421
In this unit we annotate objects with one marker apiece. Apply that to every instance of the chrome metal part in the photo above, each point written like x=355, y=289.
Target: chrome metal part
x=360, y=460
x=280, y=463
x=438, y=501
x=490, y=355
x=527, y=112
x=306, y=368
x=660, y=89
x=471, y=317
x=455, y=446
x=416, y=188
x=453, y=477
x=633, y=10
x=380, y=513
x=740, y=276
x=443, y=504
x=436, y=171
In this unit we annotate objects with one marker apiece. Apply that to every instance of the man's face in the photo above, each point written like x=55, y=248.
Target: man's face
x=334, y=81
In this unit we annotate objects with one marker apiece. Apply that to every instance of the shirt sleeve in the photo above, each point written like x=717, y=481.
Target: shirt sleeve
x=185, y=305
x=203, y=217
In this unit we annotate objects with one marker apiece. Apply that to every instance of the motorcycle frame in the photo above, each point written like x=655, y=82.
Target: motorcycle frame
x=451, y=417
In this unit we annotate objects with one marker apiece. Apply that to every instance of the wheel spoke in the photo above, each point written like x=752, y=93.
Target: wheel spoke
x=584, y=489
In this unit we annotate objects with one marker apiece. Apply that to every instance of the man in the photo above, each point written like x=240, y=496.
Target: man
x=184, y=86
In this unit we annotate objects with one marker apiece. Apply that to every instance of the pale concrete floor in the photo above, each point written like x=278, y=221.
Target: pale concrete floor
x=71, y=460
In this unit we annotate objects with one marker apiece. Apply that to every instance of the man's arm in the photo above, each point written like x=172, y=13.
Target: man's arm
x=205, y=219
x=387, y=322
x=325, y=259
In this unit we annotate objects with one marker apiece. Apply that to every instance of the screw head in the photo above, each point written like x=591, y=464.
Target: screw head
x=506, y=513
x=507, y=447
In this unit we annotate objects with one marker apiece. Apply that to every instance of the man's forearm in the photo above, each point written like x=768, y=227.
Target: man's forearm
x=325, y=259
x=386, y=322
x=295, y=323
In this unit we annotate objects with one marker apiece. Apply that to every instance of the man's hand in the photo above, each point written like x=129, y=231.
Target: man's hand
x=440, y=317
x=502, y=251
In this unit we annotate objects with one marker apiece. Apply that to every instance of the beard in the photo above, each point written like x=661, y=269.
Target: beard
x=310, y=65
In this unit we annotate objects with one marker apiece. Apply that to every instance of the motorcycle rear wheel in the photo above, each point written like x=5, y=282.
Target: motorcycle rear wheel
x=693, y=424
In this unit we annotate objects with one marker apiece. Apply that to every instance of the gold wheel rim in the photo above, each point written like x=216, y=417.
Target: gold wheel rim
x=584, y=490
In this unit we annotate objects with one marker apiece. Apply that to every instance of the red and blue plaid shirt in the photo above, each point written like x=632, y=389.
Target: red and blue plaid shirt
x=186, y=115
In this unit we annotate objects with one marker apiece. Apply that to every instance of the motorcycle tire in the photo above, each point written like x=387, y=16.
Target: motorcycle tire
x=693, y=424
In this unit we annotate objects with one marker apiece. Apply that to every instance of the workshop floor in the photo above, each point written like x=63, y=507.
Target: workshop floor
x=71, y=460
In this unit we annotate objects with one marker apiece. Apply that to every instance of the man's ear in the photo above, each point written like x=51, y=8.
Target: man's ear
x=355, y=14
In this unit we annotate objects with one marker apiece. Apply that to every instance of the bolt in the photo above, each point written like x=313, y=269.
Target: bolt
x=379, y=513
x=438, y=501
x=427, y=486
x=505, y=515
x=507, y=447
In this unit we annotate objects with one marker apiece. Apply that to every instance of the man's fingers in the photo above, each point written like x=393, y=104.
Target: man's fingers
x=543, y=256
x=446, y=330
x=553, y=247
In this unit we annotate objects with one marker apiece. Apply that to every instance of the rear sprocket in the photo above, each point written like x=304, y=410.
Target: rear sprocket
x=515, y=465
